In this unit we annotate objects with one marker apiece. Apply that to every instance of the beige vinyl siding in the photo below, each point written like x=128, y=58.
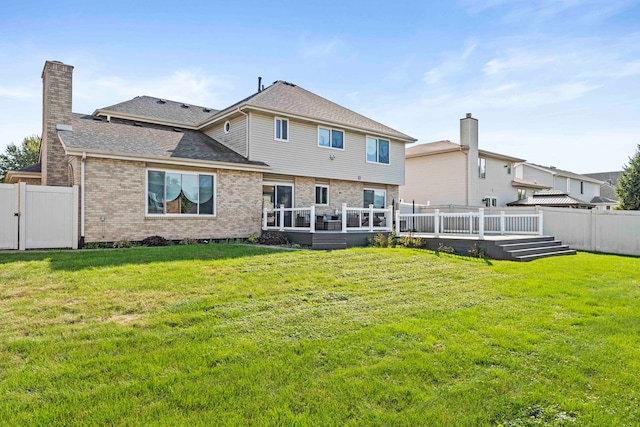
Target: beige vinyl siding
x=538, y=176
x=497, y=183
x=439, y=179
x=301, y=155
x=236, y=139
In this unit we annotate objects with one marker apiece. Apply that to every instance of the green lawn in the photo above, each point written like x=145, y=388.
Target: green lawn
x=238, y=335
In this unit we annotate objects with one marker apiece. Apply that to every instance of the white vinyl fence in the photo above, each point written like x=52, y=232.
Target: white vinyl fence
x=616, y=232
x=38, y=217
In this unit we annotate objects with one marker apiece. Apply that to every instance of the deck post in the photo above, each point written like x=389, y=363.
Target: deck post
x=264, y=218
x=481, y=223
x=281, y=217
x=371, y=218
x=502, y=225
x=436, y=222
x=312, y=219
x=344, y=217
x=397, y=223
x=540, y=224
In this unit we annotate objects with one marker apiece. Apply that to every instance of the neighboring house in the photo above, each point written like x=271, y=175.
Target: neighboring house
x=609, y=183
x=552, y=198
x=443, y=173
x=29, y=175
x=604, y=203
x=150, y=166
x=579, y=187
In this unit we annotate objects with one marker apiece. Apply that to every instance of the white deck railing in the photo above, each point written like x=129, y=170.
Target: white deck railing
x=468, y=223
x=349, y=219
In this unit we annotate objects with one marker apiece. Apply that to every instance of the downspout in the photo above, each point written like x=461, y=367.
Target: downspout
x=84, y=158
x=247, y=151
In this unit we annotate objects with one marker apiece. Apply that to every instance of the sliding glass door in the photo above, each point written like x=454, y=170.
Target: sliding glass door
x=274, y=195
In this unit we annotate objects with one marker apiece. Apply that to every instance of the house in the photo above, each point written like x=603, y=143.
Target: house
x=150, y=166
x=444, y=173
x=608, y=186
x=29, y=175
x=578, y=187
x=552, y=198
x=604, y=203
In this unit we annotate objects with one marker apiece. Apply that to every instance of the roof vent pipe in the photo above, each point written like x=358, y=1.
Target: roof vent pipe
x=259, y=84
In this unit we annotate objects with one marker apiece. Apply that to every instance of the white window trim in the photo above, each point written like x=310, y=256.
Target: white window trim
x=283, y=183
x=480, y=162
x=275, y=128
x=374, y=190
x=227, y=127
x=322, y=186
x=183, y=172
x=490, y=202
x=330, y=129
x=377, y=151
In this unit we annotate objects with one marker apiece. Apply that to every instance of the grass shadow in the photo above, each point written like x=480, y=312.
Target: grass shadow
x=99, y=258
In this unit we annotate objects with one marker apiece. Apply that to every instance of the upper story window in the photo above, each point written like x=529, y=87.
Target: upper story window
x=508, y=166
x=322, y=194
x=377, y=198
x=180, y=193
x=330, y=138
x=377, y=150
x=522, y=193
x=581, y=187
x=227, y=126
x=281, y=132
x=482, y=167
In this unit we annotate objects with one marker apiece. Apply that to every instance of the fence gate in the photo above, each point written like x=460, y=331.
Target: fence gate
x=38, y=217
x=9, y=219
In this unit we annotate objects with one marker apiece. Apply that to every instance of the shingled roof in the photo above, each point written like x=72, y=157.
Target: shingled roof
x=552, y=198
x=569, y=174
x=121, y=137
x=159, y=110
x=287, y=98
x=446, y=146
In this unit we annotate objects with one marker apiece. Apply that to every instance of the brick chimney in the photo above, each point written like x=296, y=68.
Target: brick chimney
x=56, y=112
x=469, y=138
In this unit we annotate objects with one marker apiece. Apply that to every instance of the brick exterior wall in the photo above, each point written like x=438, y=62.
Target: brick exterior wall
x=56, y=109
x=340, y=191
x=116, y=190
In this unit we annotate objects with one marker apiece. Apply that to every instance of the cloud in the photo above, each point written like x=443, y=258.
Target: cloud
x=18, y=93
x=453, y=63
x=319, y=48
x=188, y=85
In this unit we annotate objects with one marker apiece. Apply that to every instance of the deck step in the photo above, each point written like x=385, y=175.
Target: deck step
x=327, y=241
x=532, y=257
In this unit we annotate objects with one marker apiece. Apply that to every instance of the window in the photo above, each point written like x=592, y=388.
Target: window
x=227, y=126
x=482, y=167
x=377, y=150
x=322, y=195
x=522, y=193
x=508, y=166
x=177, y=193
x=581, y=187
x=377, y=198
x=281, y=129
x=490, y=202
x=330, y=138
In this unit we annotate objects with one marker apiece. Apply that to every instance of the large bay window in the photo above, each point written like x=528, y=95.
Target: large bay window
x=180, y=193
x=377, y=150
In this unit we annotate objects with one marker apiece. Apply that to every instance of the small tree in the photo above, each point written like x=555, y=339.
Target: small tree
x=16, y=157
x=629, y=184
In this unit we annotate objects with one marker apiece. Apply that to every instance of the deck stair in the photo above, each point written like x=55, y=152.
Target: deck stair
x=530, y=248
x=329, y=241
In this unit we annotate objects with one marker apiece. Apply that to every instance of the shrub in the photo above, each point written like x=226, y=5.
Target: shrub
x=155, y=241
x=253, y=239
x=446, y=249
x=123, y=243
x=382, y=240
x=477, y=251
x=97, y=245
x=273, y=238
x=410, y=241
x=187, y=241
